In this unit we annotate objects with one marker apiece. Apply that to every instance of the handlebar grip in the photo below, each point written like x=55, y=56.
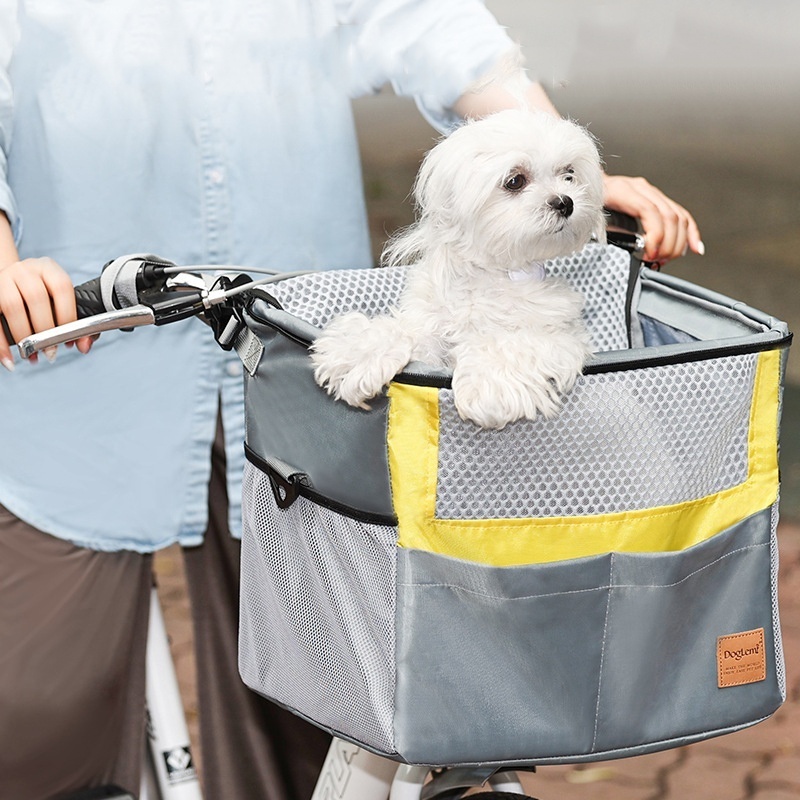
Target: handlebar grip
x=88, y=301
x=621, y=220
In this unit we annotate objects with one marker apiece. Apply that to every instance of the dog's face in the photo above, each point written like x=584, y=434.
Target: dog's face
x=515, y=187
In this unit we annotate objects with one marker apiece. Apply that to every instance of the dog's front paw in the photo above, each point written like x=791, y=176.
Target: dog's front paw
x=355, y=357
x=472, y=401
x=493, y=388
x=493, y=399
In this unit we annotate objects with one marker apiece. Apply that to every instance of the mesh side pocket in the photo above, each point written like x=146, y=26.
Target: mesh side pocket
x=317, y=613
x=624, y=440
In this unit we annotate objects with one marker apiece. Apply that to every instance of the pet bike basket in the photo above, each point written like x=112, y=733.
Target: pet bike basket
x=591, y=586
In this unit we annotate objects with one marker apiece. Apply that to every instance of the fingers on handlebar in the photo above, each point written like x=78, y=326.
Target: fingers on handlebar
x=670, y=230
x=35, y=295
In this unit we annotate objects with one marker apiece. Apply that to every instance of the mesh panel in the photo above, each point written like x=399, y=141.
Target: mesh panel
x=317, y=616
x=623, y=441
x=600, y=273
x=319, y=296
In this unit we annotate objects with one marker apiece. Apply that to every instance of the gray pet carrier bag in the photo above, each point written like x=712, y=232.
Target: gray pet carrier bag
x=596, y=585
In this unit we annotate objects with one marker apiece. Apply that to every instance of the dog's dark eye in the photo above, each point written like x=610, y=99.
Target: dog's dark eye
x=569, y=174
x=516, y=183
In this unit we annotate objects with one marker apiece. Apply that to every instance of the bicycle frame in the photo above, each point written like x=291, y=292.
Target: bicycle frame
x=169, y=773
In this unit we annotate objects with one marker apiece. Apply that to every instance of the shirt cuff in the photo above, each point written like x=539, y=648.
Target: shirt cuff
x=437, y=108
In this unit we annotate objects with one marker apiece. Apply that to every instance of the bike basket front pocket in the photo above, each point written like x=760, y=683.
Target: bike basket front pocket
x=583, y=660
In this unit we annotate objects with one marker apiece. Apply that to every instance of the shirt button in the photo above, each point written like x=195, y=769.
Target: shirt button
x=233, y=368
x=217, y=176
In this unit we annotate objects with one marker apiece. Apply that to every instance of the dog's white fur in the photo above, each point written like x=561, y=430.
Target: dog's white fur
x=492, y=201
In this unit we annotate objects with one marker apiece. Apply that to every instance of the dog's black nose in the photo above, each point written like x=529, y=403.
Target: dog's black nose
x=562, y=203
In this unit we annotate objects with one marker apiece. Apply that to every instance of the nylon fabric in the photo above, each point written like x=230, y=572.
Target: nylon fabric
x=598, y=654
x=290, y=418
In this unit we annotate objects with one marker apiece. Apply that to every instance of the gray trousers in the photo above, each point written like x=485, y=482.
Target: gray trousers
x=73, y=629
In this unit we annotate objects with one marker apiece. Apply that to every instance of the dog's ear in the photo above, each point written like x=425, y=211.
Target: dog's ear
x=591, y=168
x=451, y=185
x=425, y=191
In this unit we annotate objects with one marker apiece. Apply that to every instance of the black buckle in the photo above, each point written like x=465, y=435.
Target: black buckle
x=226, y=319
x=286, y=490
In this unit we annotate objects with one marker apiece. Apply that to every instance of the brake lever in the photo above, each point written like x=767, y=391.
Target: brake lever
x=130, y=317
x=156, y=307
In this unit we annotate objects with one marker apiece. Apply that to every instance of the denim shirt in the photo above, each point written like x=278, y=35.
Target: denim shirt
x=204, y=132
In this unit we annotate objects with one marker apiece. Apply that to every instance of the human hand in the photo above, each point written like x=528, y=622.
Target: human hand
x=670, y=230
x=35, y=295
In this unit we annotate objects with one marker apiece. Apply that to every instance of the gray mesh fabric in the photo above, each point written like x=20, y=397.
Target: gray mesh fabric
x=320, y=296
x=317, y=613
x=599, y=273
x=623, y=441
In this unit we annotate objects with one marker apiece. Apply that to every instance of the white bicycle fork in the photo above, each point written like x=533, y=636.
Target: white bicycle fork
x=169, y=772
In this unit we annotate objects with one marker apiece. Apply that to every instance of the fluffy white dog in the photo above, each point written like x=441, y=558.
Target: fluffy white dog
x=495, y=199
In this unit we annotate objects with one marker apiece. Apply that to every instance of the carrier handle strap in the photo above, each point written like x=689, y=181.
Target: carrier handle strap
x=249, y=349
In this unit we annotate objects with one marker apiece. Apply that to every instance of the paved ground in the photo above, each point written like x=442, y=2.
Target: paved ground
x=702, y=99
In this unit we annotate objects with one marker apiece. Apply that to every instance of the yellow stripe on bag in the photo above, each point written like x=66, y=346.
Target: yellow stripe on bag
x=413, y=457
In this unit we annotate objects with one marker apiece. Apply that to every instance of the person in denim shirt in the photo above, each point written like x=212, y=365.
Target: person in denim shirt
x=208, y=133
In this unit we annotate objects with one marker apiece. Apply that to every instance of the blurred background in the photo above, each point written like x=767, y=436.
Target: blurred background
x=701, y=98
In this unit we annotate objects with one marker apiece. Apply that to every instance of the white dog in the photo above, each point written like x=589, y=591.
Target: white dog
x=494, y=200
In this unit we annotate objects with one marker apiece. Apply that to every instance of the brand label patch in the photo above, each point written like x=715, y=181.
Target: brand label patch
x=741, y=658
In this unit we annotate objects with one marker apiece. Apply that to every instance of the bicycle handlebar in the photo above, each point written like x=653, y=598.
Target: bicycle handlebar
x=88, y=298
x=89, y=305
x=90, y=325
x=137, y=290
